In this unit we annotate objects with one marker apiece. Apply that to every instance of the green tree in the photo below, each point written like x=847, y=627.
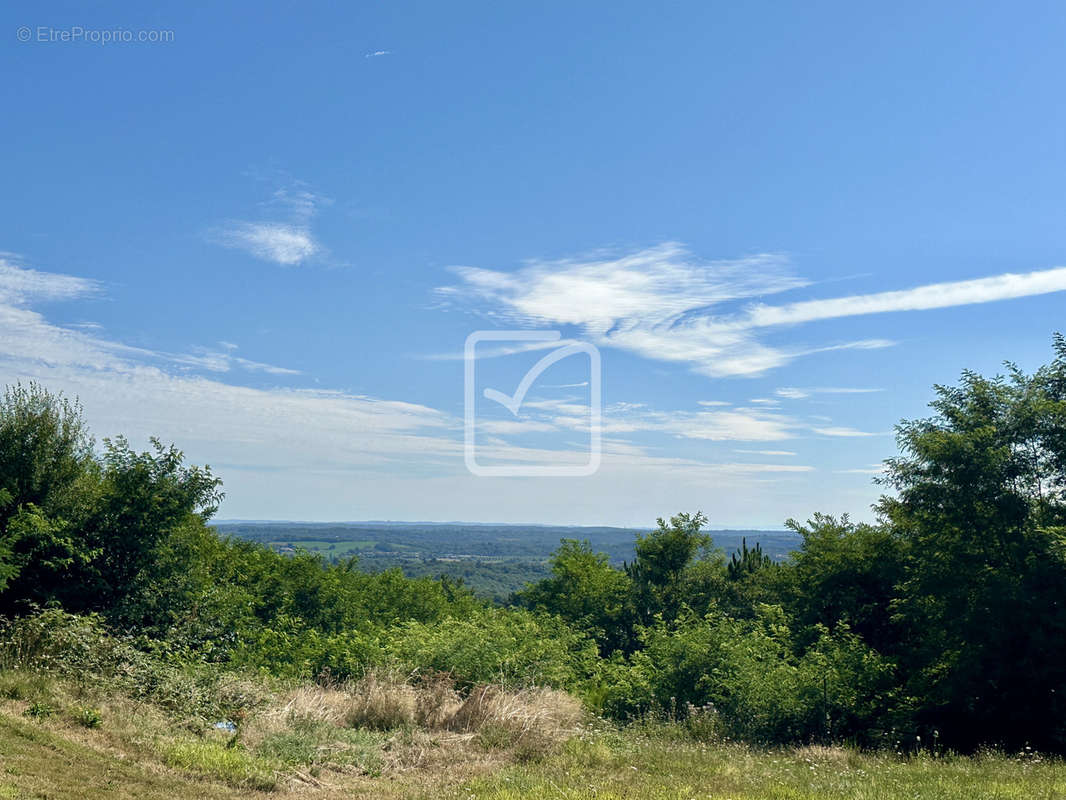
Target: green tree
x=980, y=507
x=47, y=475
x=8, y=565
x=45, y=450
x=144, y=499
x=586, y=591
x=662, y=558
x=845, y=572
x=745, y=562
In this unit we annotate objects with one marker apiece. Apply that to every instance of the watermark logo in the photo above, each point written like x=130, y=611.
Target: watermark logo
x=511, y=399
x=78, y=34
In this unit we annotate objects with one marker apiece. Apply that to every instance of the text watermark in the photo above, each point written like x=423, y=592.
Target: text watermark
x=78, y=34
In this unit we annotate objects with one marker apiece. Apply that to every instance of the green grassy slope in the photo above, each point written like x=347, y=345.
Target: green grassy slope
x=36, y=762
x=55, y=760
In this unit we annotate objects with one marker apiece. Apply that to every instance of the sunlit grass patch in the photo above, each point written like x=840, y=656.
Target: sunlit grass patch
x=230, y=764
x=652, y=768
x=319, y=745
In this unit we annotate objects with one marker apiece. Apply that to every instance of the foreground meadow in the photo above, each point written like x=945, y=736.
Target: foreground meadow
x=387, y=739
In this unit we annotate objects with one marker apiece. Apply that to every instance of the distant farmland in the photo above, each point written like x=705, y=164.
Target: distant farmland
x=494, y=560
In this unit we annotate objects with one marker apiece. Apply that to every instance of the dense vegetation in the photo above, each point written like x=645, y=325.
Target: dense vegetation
x=944, y=623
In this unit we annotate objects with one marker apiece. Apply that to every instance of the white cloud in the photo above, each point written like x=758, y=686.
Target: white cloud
x=663, y=304
x=287, y=239
x=795, y=393
x=873, y=469
x=843, y=431
x=301, y=453
x=647, y=302
x=767, y=452
x=281, y=243
x=19, y=284
x=498, y=351
x=742, y=424
x=272, y=428
x=736, y=425
x=224, y=360
x=936, y=295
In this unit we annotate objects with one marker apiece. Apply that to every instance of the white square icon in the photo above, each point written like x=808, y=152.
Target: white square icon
x=511, y=398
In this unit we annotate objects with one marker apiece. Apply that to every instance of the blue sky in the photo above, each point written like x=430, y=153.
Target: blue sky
x=268, y=238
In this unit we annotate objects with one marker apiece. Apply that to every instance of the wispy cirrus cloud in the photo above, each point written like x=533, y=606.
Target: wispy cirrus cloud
x=27, y=334
x=296, y=452
x=287, y=239
x=664, y=304
x=143, y=392
x=796, y=393
x=287, y=245
x=843, y=431
x=224, y=358
x=19, y=284
x=1008, y=286
x=711, y=423
x=873, y=469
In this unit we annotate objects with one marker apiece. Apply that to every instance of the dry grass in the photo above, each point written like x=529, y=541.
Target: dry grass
x=382, y=702
x=547, y=712
x=493, y=744
x=531, y=723
x=438, y=702
x=419, y=733
x=430, y=726
x=823, y=754
x=303, y=706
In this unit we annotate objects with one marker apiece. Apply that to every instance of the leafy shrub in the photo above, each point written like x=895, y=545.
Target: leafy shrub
x=39, y=710
x=510, y=648
x=289, y=649
x=88, y=717
x=742, y=679
x=626, y=689
x=82, y=649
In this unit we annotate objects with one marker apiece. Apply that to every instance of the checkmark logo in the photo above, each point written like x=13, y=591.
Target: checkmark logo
x=527, y=340
x=513, y=402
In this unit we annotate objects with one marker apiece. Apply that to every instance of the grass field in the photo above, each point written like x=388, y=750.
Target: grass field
x=53, y=745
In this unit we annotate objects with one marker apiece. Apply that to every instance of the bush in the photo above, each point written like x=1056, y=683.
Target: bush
x=291, y=650
x=88, y=717
x=742, y=679
x=39, y=710
x=82, y=649
x=510, y=648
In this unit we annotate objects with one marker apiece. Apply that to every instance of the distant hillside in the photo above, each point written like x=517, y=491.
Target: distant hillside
x=493, y=559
